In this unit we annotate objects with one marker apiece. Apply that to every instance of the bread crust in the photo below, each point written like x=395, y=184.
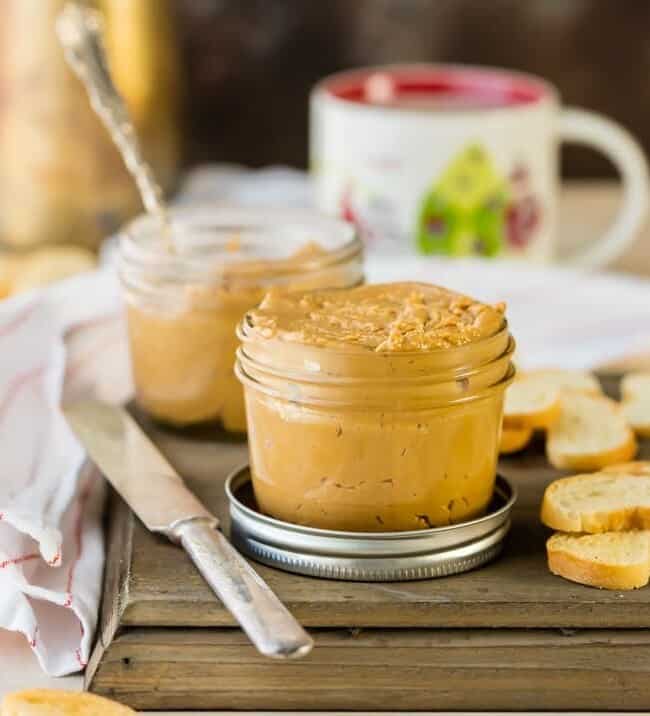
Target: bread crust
x=587, y=569
x=618, y=520
x=635, y=390
x=556, y=380
x=593, y=461
x=42, y=702
x=589, y=383
x=562, y=459
x=596, y=574
x=634, y=467
x=514, y=440
x=541, y=420
x=642, y=429
x=635, y=384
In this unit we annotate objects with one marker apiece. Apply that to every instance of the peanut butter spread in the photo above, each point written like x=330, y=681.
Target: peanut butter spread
x=399, y=317
x=182, y=356
x=360, y=419
x=183, y=341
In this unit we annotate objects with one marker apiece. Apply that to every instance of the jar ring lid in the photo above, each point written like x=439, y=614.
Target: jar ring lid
x=367, y=556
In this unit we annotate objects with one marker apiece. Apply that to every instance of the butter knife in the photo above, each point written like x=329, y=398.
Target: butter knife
x=160, y=498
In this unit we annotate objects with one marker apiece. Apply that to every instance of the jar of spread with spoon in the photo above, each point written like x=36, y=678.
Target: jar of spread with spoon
x=376, y=408
x=187, y=290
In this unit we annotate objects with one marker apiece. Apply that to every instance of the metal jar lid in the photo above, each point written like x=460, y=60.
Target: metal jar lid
x=366, y=556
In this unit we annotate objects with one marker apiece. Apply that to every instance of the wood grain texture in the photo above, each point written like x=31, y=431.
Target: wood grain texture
x=166, y=642
x=379, y=670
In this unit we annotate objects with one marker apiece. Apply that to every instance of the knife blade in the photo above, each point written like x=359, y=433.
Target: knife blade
x=162, y=501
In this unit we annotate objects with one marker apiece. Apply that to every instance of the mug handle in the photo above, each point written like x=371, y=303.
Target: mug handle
x=583, y=127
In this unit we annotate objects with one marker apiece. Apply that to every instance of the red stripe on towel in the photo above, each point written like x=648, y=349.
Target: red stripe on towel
x=19, y=560
x=84, y=493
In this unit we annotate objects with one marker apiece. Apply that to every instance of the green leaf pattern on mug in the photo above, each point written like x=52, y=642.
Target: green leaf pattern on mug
x=464, y=213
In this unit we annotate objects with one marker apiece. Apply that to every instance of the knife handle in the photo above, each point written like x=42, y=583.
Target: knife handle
x=266, y=621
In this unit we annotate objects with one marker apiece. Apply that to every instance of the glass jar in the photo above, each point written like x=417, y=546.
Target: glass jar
x=184, y=302
x=371, y=440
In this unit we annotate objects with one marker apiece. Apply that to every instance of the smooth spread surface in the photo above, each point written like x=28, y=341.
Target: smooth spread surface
x=396, y=317
x=371, y=470
x=182, y=358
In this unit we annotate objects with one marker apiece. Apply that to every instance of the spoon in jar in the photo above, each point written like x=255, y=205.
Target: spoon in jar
x=80, y=32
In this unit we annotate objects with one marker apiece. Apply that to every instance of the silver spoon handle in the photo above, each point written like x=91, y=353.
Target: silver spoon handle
x=80, y=32
x=267, y=622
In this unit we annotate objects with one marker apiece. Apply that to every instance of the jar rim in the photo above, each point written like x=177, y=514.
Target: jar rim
x=249, y=381
x=445, y=375
x=237, y=244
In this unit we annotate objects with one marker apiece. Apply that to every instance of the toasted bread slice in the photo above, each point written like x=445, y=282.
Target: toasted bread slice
x=635, y=389
x=606, y=501
x=636, y=467
x=50, y=264
x=634, y=385
x=637, y=414
x=514, y=439
x=9, y=267
x=581, y=380
x=533, y=399
x=54, y=702
x=591, y=433
x=610, y=560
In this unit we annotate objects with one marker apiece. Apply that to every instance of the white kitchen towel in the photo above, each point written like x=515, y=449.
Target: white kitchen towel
x=56, y=344
x=68, y=341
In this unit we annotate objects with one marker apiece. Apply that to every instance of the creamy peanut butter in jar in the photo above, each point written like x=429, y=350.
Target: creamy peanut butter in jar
x=375, y=408
x=187, y=290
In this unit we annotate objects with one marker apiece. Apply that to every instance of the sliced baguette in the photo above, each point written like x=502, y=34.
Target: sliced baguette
x=591, y=433
x=55, y=702
x=635, y=384
x=610, y=560
x=637, y=414
x=581, y=380
x=514, y=439
x=606, y=501
x=636, y=467
x=50, y=264
x=533, y=399
x=9, y=266
x=635, y=389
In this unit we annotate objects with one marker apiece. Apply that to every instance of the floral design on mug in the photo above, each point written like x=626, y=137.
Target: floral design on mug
x=523, y=213
x=373, y=217
x=473, y=209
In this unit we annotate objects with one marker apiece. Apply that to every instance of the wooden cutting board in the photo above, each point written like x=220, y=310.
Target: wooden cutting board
x=509, y=636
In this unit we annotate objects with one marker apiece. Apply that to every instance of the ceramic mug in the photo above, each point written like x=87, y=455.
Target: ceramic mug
x=460, y=160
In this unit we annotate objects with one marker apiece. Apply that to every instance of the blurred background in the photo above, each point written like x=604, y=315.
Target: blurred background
x=250, y=64
x=229, y=81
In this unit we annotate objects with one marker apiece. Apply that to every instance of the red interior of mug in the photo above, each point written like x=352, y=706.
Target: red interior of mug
x=437, y=87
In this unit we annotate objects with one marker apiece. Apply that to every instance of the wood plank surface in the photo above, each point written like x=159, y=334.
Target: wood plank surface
x=382, y=670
